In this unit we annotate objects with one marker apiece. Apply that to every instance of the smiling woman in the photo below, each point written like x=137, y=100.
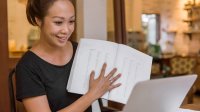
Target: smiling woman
x=21, y=40
x=56, y=25
x=42, y=73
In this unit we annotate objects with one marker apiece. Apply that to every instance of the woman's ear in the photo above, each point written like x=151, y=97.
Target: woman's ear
x=38, y=21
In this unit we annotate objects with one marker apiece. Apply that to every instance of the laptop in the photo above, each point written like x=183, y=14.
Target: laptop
x=159, y=95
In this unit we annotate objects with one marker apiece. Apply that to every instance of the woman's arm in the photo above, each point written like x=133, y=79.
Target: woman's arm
x=97, y=88
x=36, y=104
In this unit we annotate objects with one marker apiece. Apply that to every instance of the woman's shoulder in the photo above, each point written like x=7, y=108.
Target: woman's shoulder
x=27, y=59
x=27, y=55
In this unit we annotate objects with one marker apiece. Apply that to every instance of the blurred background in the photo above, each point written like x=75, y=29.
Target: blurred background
x=168, y=30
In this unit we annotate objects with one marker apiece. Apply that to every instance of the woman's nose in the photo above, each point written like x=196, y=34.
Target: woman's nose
x=66, y=29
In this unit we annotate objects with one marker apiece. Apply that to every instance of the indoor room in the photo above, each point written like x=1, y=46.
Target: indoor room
x=166, y=30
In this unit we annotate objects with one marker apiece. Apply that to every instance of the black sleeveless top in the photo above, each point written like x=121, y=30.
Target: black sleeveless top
x=35, y=77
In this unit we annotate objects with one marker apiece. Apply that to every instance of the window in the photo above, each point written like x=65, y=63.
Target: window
x=151, y=27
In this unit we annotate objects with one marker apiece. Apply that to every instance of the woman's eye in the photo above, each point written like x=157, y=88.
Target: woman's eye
x=72, y=22
x=58, y=22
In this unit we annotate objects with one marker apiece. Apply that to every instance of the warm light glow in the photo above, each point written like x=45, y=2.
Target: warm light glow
x=12, y=45
x=22, y=1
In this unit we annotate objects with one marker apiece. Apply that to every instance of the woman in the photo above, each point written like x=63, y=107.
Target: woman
x=42, y=73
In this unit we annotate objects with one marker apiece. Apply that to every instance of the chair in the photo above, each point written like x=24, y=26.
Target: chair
x=11, y=91
x=15, y=106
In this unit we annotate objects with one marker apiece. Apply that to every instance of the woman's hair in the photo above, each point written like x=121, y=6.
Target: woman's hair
x=37, y=9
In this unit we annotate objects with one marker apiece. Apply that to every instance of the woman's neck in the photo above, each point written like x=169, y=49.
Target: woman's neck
x=46, y=47
x=54, y=55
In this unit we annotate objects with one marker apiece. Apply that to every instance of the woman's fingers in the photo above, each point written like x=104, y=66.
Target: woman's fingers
x=111, y=73
x=115, y=78
x=92, y=74
x=114, y=86
x=112, y=82
x=103, y=70
x=104, y=82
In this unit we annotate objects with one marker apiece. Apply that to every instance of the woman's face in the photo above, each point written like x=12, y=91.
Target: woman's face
x=58, y=24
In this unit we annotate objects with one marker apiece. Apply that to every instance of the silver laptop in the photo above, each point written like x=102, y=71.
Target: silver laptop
x=159, y=95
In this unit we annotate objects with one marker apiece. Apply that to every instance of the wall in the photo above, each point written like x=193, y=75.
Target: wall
x=17, y=24
x=151, y=6
x=91, y=19
x=172, y=15
x=133, y=10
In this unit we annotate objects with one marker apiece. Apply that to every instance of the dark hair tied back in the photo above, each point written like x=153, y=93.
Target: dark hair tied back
x=37, y=9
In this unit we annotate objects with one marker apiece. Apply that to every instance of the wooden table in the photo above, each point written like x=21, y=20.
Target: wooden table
x=192, y=106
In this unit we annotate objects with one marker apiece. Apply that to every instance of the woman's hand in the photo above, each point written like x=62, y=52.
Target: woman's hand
x=99, y=86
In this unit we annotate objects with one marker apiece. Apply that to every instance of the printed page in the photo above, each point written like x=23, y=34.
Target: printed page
x=90, y=55
x=134, y=66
